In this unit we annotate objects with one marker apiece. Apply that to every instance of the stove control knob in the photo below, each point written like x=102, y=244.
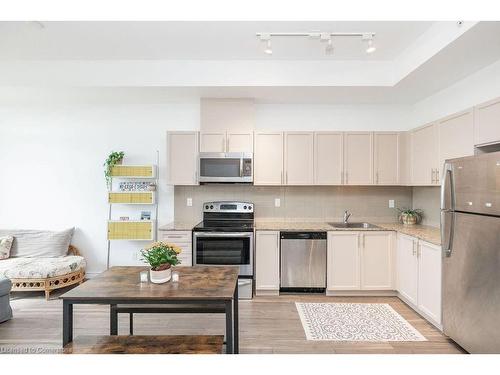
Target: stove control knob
x=211, y=207
x=206, y=207
x=245, y=207
x=249, y=207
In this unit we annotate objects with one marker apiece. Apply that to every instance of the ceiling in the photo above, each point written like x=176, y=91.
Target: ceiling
x=225, y=59
x=136, y=40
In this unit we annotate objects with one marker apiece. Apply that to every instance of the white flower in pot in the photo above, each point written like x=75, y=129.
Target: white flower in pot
x=410, y=216
x=161, y=256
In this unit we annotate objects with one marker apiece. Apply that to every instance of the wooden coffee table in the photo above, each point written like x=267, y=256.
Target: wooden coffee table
x=202, y=286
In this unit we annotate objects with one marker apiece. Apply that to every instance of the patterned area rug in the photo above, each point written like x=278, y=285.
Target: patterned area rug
x=355, y=322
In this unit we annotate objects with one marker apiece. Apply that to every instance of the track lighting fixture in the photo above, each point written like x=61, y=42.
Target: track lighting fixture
x=369, y=40
x=267, y=39
x=322, y=36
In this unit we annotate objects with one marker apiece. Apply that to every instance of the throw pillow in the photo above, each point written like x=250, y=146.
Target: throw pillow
x=5, y=245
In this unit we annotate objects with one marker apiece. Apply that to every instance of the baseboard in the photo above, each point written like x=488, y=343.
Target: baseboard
x=268, y=293
x=361, y=293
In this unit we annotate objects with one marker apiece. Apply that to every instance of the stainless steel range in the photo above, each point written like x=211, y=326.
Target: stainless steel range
x=226, y=237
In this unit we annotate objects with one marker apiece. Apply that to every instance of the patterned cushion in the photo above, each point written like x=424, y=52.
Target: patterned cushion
x=39, y=268
x=5, y=245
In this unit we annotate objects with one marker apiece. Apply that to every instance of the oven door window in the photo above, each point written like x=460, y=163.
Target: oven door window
x=219, y=167
x=223, y=251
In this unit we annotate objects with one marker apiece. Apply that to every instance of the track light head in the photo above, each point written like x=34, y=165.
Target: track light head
x=368, y=38
x=267, y=38
x=371, y=48
x=269, y=49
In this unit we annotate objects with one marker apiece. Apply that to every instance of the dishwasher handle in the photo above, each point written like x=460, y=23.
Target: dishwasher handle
x=303, y=235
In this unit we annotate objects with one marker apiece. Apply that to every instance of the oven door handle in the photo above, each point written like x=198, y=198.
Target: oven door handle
x=226, y=234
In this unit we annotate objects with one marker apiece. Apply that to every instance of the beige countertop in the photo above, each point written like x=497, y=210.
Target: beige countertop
x=423, y=232
x=178, y=225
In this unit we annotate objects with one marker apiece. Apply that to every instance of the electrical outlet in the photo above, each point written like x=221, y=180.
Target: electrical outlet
x=189, y=202
x=277, y=202
x=391, y=203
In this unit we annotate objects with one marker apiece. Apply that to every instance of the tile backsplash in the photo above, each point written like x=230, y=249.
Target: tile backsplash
x=299, y=203
x=427, y=198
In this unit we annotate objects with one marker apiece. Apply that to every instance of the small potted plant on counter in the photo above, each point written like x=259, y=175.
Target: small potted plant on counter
x=115, y=158
x=161, y=256
x=410, y=216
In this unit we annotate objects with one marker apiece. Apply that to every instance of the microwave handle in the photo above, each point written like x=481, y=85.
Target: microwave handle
x=241, y=167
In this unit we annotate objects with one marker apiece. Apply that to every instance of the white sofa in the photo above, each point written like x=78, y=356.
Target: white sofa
x=42, y=260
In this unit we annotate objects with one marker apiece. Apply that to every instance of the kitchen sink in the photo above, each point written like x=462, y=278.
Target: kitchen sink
x=354, y=225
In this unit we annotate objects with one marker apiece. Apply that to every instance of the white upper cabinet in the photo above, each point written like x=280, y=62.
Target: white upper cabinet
x=404, y=156
x=328, y=158
x=358, y=158
x=226, y=141
x=487, y=122
x=182, y=158
x=239, y=142
x=299, y=158
x=407, y=268
x=376, y=261
x=343, y=261
x=424, y=155
x=268, y=158
x=213, y=141
x=456, y=135
x=429, y=280
x=386, y=157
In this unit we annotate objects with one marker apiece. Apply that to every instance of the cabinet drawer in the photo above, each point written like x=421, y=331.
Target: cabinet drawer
x=176, y=236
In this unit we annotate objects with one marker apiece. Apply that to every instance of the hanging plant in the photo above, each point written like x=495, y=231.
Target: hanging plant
x=115, y=158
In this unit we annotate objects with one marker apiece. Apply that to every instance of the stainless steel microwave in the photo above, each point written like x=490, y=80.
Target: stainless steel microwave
x=225, y=167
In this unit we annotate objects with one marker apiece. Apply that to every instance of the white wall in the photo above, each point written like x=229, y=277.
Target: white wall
x=332, y=117
x=51, y=157
x=472, y=90
x=53, y=144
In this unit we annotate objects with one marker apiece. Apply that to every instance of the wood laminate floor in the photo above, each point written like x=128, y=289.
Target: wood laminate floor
x=267, y=325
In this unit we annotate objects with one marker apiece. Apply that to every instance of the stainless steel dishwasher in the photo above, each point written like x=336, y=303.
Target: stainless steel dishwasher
x=303, y=262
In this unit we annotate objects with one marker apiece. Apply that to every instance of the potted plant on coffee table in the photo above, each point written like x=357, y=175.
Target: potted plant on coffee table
x=410, y=216
x=161, y=256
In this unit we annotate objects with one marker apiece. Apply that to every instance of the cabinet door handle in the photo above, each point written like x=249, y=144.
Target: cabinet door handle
x=432, y=176
x=346, y=178
x=376, y=178
x=227, y=144
x=437, y=175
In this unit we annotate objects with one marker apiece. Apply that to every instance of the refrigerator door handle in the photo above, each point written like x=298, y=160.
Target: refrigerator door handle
x=447, y=189
x=447, y=229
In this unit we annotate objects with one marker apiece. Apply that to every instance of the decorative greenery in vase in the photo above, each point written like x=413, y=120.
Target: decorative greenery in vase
x=116, y=157
x=161, y=256
x=410, y=215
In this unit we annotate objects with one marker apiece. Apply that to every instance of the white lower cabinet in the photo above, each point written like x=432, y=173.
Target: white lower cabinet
x=376, y=261
x=407, y=268
x=181, y=238
x=429, y=280
x=419, y=276
x=359, y=261
x=343, y=261
x=267, y=262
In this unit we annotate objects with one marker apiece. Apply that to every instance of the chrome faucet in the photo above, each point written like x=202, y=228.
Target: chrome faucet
x=347, y=215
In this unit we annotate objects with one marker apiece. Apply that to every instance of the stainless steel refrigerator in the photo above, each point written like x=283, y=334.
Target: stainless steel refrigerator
x=470, y=235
